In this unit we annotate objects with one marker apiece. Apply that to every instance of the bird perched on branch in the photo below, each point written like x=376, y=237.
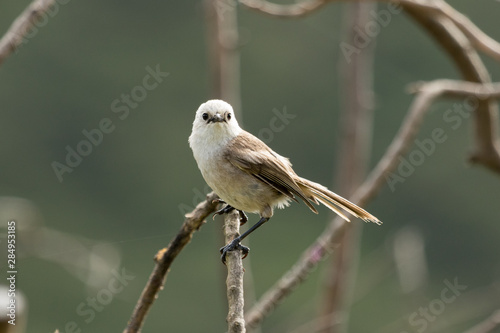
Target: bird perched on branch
x=249, y=176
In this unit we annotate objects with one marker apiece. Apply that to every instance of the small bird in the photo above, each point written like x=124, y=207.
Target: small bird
x=249, y=176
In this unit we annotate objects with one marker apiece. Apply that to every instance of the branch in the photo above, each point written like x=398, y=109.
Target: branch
x=303, y=8
x=14, y=36
x=164, y=259
x=234, y=281
x=487, y=325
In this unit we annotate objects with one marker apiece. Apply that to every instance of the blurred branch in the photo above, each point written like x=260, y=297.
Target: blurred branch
x=298, y=9
x=355, y=130
x=487, y=325
x=14, y=36
x=234, y=281
x=164, y=259
x=223, y=42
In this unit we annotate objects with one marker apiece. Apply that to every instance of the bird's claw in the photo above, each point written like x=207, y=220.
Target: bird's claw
x=228, y=209
x=223, y=210
x=234, y=245
x=218, y=201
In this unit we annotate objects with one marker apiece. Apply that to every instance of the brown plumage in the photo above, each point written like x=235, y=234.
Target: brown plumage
x=257, y=159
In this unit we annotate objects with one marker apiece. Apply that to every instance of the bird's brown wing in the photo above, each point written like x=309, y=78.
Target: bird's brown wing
x=254, y=157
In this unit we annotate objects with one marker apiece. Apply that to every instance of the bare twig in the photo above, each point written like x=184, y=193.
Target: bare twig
x=14, y=36
x=487, y=325
x=164, y=259
x=298, y=9
x=234, y=281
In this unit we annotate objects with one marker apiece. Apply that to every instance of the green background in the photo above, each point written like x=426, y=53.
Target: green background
x=126, y=196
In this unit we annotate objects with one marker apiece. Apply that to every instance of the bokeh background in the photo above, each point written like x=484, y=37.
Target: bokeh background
x=126, y=199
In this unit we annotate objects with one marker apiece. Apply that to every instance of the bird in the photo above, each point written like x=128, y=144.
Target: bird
x=249, y=176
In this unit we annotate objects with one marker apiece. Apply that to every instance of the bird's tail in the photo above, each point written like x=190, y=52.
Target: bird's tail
x=319, y=194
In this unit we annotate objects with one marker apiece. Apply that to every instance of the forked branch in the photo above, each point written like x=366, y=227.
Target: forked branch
x=164, y=259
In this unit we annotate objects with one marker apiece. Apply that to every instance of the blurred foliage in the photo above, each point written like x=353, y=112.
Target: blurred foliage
x=128, y=191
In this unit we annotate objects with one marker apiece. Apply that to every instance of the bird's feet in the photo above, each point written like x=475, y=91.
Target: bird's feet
x=223, y=210
x=228, y=209
x=234, y=245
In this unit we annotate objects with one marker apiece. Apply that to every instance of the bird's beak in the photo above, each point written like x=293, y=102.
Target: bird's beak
x=217, y=118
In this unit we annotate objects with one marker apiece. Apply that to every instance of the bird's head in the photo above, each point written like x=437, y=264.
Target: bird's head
x=215, y=121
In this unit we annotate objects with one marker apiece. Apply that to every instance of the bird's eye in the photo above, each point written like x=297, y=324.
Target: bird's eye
x=204, y=116
x=228, y=116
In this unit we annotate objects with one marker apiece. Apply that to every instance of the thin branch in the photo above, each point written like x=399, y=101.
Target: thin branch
x=234, y=281
x=164, y=259
x=14, y=36
x=302, y=8
x=487, y=325
x=331, y=237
